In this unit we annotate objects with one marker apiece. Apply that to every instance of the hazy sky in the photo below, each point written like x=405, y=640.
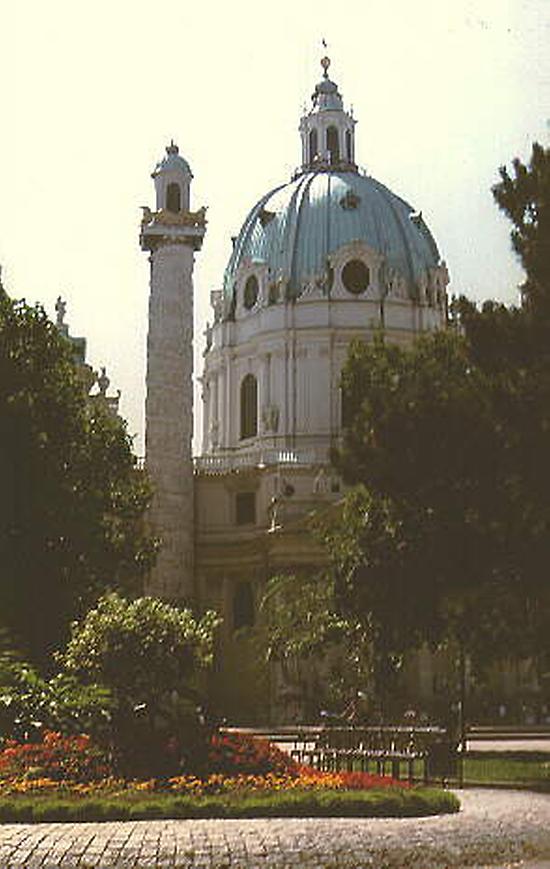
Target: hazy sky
x=444, y=92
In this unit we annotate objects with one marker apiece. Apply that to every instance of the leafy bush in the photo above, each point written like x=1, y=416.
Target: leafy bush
x=148, y=654
x=31, y=705
x=234, y=753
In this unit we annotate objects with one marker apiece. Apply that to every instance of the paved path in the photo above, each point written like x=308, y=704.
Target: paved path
x=542, y=744
x=504, y=828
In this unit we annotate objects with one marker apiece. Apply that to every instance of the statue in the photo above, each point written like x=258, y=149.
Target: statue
x=147, y=215
x=103, y=382
x=181, y=218
x=61, y=310
x=272, y=511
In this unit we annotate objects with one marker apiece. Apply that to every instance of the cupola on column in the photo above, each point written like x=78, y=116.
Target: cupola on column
x=171, y=234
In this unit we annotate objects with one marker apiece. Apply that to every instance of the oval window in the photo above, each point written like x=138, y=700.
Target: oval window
x=355, y=276
x=251, y=292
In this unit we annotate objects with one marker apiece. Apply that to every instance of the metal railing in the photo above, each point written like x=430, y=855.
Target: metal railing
x=414, y=753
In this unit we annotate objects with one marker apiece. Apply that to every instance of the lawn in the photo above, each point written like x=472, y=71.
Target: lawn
x=68, y=778
x=507, y=768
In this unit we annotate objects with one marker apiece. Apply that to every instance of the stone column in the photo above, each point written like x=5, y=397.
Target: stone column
x=172, y=240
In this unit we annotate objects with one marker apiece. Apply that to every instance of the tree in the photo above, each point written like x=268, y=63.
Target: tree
x=73, y=499
x=323, y=655
x=525, y=198
x=450, y=440
x=453, y=531
x=148, y=654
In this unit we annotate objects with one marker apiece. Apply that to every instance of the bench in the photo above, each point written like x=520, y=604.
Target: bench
x=384, y=749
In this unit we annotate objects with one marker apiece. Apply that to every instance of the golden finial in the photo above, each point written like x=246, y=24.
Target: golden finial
x=325, y=61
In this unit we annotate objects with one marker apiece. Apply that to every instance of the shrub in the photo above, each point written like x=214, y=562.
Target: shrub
x=148, y=654
x=31, y=705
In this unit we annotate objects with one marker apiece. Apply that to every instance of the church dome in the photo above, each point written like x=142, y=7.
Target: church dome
x=295, y=228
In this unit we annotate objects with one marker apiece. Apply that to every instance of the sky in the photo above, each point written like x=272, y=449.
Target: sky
x=444, y=92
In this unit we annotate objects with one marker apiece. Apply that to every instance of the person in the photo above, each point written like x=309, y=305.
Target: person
x=350, y=712
x=409, y=716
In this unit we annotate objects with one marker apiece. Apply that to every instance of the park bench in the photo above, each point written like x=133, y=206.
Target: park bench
x=386, y=750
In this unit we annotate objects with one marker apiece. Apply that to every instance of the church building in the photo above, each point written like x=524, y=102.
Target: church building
x=323, y=259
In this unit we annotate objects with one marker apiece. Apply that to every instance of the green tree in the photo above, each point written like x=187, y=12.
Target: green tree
x=323, y=655
x=72, y=500
x=454, y=534
x=524, y=196
x=450, y=439
x=149, y=655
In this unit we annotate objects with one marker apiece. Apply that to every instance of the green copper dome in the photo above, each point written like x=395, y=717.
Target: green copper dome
x=295, y=227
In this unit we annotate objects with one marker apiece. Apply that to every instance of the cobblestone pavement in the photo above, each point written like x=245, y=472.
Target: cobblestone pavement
x=506, y=828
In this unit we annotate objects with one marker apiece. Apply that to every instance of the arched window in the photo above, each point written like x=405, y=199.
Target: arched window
x=349, y=155
x=333, y=146
x=173, y=198
x=243, y=606
x=251, y=290
x=346, y=408
x=249, y=407
x=313, y=145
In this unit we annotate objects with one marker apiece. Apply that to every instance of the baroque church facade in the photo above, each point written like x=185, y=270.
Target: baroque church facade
x=321, y=260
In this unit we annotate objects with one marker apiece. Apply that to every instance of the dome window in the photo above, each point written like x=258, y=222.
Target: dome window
x=333, y=145
x=251, y=289
x=346, y=409
x=355, y=276
x=249, y=407
x=173, y=198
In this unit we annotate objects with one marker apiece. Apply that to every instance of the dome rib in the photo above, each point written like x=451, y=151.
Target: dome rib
x=303, y=191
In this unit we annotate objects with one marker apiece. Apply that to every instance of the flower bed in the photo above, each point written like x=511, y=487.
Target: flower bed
x=305, y=780
x=66, y=778
x=235, y=753
x=57, y=757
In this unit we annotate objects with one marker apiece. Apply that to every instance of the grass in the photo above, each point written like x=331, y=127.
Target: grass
x=416, y=802
x=507, y=768
x=514, y=768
